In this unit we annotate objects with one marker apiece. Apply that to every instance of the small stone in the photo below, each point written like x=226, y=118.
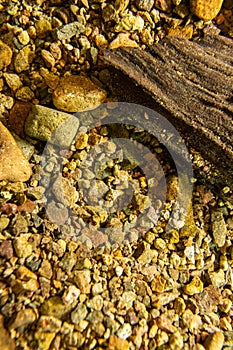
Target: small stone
x=22, y=248
x=76, y=93
x=24, y=93
x=23, y=37
x=4, y=222
x=13, y=81
x=206, y=10
x=217, y=278
x=6, y=342
x=6, y=249
x=48, y=58
x=96, y=303
x=46, y=269
x=44, y=339
x=122, y=39
x=82, y=141
x=70, y=295
x=22, y=318
x=214, y=341
x=23, y=59
x=118, y=343
x=55, y=307
x=70, y=30
x=219, y=228
x=79, y=314
x=194, y=287
x=43, y=28
x=158, y=284
x=5, y=55
x=82, y=280
x=125, y=331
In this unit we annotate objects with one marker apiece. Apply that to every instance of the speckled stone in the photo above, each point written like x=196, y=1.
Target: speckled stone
x=5, y=55
x=214, y=341
x=206, y=10
x=13, y=164
x=43, y=122
x=76, y=93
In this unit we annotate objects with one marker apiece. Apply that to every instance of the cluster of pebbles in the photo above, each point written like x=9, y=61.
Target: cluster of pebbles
x=71, y=275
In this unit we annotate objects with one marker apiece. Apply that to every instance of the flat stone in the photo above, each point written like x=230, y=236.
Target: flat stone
x=13, y=81
x=6, y=342
x=77, y=93
x=5, y=55
x=46, y=124
x=13, y=164
x=70, y=30
x=55, y=307
x=23, y=59
x=219, y=228
x=214, y=341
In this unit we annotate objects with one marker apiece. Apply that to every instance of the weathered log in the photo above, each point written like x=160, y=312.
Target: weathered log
x=189, y=82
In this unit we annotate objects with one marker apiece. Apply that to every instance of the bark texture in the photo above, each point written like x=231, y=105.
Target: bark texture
x=189, y=82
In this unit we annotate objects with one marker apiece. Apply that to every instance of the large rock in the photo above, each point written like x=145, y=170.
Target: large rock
x=46, y=124
x=76, y=93
x=13, y=164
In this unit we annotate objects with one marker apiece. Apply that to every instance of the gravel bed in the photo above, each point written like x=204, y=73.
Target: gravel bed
x=75, y=272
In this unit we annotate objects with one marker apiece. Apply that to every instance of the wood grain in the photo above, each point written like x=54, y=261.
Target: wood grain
x=191, y=83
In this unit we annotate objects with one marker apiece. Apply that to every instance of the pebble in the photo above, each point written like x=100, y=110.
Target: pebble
x=194, y=287
x=6, y=342
x=4, y=222
x=5, y=55
x=122, y=39
x=23, y=37
x=70, y=30
x=214, y=341
x=24, y=93
x=43, y=28
x=22, y=248
x=205, y=10
x=76, y=93
x=13, y=164
x=82, y=279
x=118, y=343
x=219, y=228
x=217, y=278
x=22, y=59
x=13, y=81
x=42, y=122
x=22, y=318
x=79, y=314
x=55, y=307
x=6, y=249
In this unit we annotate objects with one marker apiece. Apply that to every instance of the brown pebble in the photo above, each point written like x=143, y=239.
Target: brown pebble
x=76, y=93
x=206, y=10
x=5, y=55
x=13, y=165
x=18, y=116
